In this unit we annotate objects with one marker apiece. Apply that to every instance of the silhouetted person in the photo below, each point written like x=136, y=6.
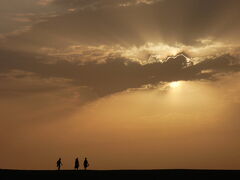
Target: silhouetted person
x=76, y=164
x=85, y=164
x=59, y=163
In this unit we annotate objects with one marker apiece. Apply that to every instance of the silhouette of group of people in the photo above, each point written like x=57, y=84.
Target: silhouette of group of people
x=76, y=166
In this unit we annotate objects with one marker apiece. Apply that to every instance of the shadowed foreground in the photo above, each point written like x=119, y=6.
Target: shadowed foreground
x=120, y=174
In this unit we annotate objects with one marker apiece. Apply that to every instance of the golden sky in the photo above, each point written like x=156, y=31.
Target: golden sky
x=130, y=84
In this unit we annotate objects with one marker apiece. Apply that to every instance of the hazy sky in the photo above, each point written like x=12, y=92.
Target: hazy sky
x=130, y=84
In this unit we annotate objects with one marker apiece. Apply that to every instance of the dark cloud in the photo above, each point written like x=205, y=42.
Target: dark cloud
x=171, y=21
x=117, y=74
x=183, y=21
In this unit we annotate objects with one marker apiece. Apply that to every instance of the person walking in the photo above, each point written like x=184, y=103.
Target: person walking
x=85, y=163
x=76, y=164
x=59, y=163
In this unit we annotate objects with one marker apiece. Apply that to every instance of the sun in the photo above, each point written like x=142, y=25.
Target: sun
x=174, y=84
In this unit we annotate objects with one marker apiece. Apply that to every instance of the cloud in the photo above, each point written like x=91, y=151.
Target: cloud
x=131, y=45
x=144, y=54
x=93, y=4
x=117, y=74
x=15, y=14
x=168, y=22
x=18, y=82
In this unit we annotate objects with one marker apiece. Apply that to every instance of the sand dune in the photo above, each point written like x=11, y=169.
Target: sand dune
x=119, y=174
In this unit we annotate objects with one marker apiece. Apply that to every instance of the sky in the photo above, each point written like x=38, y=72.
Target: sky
x=129, y=84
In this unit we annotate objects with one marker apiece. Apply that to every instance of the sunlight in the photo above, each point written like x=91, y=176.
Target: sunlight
x=175, y=84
